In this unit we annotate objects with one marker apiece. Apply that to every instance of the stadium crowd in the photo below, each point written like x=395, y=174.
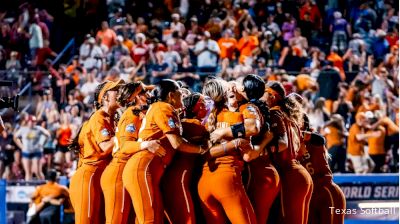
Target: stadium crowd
x=340, y=56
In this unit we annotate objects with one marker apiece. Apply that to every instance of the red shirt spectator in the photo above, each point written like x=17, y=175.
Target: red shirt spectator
x=141, y=49
x=312, y=9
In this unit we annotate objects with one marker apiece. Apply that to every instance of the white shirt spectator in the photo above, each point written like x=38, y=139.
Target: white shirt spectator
x=178, y=27
x=206, y=58
x=93, y=57
x=36, y=40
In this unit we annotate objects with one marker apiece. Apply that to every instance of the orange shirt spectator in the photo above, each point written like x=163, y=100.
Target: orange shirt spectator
x=107, y=35
x=355, y=146
x=128, y=44
x=246, y=45
x=337, y=61
x=376, y=144
x=304, y=82
x=227, y=45
x=333, y=136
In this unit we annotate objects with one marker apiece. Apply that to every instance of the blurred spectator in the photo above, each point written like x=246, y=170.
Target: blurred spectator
x=161, y=69
x=341, y=30
x=63, y=157
x=328, y=82
x=337, y=61
x=140, y=51
x=247, y=45
x=355, y=145
x=7, y=148
x=30, y=139
x=207, y=51
x=48, y=199
x=44, y=53
x=318, y=115
x=107, y=35
x=376, y=147
x=118, y=51
x=227, y=45
x=35, y=38
x=381, y=45
x=335, y=133
x=288, y=28
x=311, y=8
x=187, y=73
x=91, y=55
x=171, y=56
x=176, y=25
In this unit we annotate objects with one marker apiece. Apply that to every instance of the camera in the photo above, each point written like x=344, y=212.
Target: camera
x=8, y=102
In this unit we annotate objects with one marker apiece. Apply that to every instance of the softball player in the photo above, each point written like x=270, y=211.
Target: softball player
x=96, y=141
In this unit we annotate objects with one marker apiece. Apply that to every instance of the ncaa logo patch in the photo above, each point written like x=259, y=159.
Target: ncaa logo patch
x=171, y=123
x=130, y=128
x=251, y=109
x=104, y=132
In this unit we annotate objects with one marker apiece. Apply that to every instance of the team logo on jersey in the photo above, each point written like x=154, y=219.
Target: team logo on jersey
x=171, y=123
x=251, y=109
x=130, y=128
x=105, y=132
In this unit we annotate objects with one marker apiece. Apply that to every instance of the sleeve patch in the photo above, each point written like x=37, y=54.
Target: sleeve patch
x=251, y=109
x=130, y=128
x=171, y=123
x=105, y=132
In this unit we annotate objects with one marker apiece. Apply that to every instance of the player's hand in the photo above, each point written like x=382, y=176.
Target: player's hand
x=46, y=199
x=217, y=135
x=155, y=148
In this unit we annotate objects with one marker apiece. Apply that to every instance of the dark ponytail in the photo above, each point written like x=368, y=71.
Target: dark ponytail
x=190, y=102
x=126, y=91
x=254, y=87
x=98, y=105
x=290, y=106
x=164, y=87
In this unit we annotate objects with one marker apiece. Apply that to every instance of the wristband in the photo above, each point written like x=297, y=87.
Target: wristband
x=224, y=147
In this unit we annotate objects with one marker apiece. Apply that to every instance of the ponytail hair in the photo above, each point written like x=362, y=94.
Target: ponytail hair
x=215, y=90
x=164, y=87
x=97, y=104
x=126, y=91
x=289, y=105
x=190, y=102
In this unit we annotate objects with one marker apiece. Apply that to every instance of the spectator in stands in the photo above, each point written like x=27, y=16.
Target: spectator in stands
x=48, y=199
x=176, y=25
x=7, y=148
x=335, y=133
x=107, y=35
x=92, y=55
x=140, y=51
x=247, y=46
x=64, y=133
x=207, y=51
x=356, y=44
x=227, y=44
x=171, y=56
x=355, y=145
x=318, y=115
x=161, y=69
x=337, y=61
x=118, y=51
x=30, y=139
x=35, y=38
x=381, y=45
x=376, y=145
x=187, y=73
x=328, y=82
x=341, y=30
x=44, y=53
x=288, y=28
x=300, y=42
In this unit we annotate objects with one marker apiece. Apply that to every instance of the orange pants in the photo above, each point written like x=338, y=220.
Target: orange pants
x=117, y=200
x=323, y=197
x=297, y=187
x=264, y=186
x=141, y=178
x=176, y=182
x=86, y=195
x=222, y=190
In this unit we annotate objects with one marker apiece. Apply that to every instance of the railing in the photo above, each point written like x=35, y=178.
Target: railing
x=70, y=45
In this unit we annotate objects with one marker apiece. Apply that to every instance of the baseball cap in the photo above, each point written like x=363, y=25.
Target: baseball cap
x=110, y=85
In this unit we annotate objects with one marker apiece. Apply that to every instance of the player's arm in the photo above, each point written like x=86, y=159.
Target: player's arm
x=250, y=127
x=178, y=143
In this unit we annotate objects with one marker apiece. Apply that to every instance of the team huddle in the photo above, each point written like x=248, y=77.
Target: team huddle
x=154, y=154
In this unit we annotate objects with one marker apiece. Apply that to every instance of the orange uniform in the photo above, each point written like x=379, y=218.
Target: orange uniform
x=220, y=187
x=227, y=46
x=376, y=146
x=86, y=195
x=296, y=182
x=263, y=184
x=143, y=171
x=354, y=146
x=117, y=200
x=326, y=194
x=178, y=176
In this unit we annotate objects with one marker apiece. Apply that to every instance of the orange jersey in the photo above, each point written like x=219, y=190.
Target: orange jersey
x=316, y=162
x=98, y=129
x=376, y=146
x=390, y=126
x=333, y=136
x=355, y=147
x=194, y=131
x=64, y=136
x=227, y=46
x=161, y=119
x=127, y=133
x=225, y=119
